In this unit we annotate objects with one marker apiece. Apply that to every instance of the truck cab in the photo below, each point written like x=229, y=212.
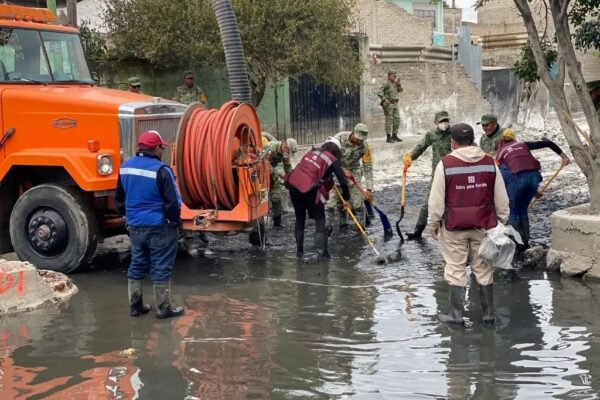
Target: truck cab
x=62, y=140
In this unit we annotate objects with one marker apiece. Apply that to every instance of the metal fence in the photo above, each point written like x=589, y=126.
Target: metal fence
x=469, y=55
x=317, y=111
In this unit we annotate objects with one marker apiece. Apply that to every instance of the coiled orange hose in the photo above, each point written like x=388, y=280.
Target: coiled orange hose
x=210, y=145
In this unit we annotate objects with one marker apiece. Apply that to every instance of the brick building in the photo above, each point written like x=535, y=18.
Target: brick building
x=502, y=34
x=393, y=38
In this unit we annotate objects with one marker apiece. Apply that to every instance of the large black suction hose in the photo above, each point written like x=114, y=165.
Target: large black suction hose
x=239, y=84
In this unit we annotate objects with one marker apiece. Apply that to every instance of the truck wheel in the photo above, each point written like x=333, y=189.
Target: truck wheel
x=54, y=227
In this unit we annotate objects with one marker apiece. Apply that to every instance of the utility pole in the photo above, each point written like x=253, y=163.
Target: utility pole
x=51, y=4
x=72, y=12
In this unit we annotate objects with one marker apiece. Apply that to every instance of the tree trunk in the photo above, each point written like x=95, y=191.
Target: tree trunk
x=585, y=157
x=259, y=87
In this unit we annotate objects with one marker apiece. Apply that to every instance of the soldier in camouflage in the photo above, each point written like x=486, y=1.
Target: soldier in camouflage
x=188, y=92
x=355, y=151
x=439, y=140
x=492, y=134
x=388, y=93
x=279, y=154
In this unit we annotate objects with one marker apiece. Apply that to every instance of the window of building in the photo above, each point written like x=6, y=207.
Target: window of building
x=425, y=14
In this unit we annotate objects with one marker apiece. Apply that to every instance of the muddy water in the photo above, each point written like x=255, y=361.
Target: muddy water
x=262, y=325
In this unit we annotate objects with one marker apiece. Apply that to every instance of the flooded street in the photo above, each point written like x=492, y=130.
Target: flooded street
x=263, y=325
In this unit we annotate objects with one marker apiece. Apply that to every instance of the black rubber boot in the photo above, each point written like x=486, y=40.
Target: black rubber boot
x=299, y=243
x=389, y=139
x=525, y=233
x=343, y=219
x=329, y=217
x=162, y=298
x=277, y=211
x=277, y=222
x=457, y=299
x=395, y=138
x=487, y=303
x=136, y=304
x=417, y=234
x=421, y=225
x=321, y=245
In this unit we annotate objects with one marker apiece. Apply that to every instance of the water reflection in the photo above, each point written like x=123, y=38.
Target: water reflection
x=271, y=327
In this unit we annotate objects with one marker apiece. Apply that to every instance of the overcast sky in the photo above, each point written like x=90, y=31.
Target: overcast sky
x=469, y=13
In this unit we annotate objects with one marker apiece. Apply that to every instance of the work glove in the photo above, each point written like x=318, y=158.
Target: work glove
x=369, y=196
x=407, y=160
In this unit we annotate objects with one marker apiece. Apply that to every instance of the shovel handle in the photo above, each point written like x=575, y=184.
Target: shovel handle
x=548, y=182
x=358, y=225
x=403, y=199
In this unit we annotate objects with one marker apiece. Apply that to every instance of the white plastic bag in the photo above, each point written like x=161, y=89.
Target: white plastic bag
x=497, y=249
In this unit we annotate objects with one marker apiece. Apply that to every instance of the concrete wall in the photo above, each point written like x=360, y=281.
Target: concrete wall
x=162, y=83
x=389, y=24
x=428, y=88
x=452, y=19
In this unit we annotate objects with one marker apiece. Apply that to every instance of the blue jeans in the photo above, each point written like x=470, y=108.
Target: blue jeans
x=521, y=189
x=153, y=250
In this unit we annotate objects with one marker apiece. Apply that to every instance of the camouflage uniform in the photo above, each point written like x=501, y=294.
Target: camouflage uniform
x=278, y=165
x=188, y=95
x=352, y=157
x=389, y=91
x=440, y=147
x=488, y=143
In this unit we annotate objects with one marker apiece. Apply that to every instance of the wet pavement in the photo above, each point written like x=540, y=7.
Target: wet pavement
x=262, y=325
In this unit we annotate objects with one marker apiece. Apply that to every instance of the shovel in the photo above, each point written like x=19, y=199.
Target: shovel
x=387, y=226
x=546, y=186
x=380, y=259
x=402, y=204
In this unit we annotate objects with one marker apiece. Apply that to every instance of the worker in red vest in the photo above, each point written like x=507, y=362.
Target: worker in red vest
x=521, y=173
x=467, y=197
x=309, y=184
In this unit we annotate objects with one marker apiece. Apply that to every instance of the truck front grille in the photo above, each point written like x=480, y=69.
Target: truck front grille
x=167, y=127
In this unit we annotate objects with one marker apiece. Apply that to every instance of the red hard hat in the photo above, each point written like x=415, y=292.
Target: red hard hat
x=151, y=139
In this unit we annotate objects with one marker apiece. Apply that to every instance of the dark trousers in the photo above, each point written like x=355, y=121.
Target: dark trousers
x=305, y=203
x=521, y=188
x=153, y=250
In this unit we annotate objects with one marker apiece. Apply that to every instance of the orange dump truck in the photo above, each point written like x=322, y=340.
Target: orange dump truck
x=62, y=140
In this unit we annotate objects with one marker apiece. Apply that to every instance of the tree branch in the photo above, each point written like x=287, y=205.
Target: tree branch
x=560, y=78
x=563, y=10
x=536, y=44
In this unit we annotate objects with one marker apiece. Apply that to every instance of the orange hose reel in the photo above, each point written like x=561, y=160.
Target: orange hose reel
x=221, y=174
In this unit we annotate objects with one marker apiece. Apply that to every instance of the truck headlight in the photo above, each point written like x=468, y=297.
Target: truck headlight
x=105, y=164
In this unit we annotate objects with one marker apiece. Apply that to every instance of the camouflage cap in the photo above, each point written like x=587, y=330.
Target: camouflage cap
x=593, y=85
x=361, y=131
x=441, y=115
x=292, y=145
x=134, y=81
x=487, y=118
x=392, y=72
x=188, y=74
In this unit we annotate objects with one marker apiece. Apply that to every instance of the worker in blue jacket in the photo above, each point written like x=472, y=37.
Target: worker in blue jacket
x=148, y=198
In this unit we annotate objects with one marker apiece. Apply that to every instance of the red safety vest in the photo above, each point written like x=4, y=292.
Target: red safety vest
x=309, y=174
x=469, y=193
x=518, y=158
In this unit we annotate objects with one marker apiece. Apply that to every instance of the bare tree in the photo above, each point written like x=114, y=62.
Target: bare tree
x=585, y=148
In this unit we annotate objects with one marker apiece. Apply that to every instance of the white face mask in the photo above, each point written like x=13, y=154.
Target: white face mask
x=443, y=126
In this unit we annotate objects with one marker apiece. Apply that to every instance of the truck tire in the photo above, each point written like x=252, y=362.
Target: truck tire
x=54, y=227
